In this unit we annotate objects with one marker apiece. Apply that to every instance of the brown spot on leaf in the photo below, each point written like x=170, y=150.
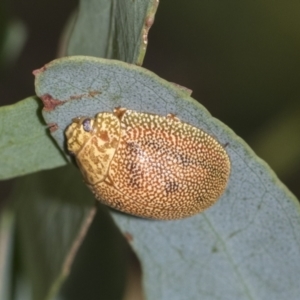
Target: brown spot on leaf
x=38, y=71
x=149, y=22
x=94, y=93
x=183, y=88
x=75, y=97
x=50, y=103
x=52, y=127
x=128, y=236
x=89, y=94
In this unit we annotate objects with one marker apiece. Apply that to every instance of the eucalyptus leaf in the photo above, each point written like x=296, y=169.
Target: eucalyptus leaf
x=113, y=29
x=50, y=214
x=25, y=145
x=247, y=246
x=53, y=213
x=90, y=35
x=100, y=266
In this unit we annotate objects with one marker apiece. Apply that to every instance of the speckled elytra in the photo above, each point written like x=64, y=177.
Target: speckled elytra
x=149, y=165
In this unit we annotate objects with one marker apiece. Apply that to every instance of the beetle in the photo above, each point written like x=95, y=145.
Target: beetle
x=149, y=165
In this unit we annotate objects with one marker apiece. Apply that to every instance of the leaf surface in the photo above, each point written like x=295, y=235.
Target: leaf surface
x=247, y=246
x=113, y=29
x=25, y=144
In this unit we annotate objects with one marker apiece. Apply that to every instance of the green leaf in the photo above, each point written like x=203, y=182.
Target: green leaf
x=90, y=35
x=52, y=219
x=247, y=246
x=113, y=29
x=50, y=208
x=25, y=146
x=106, y=84
x=100, y=267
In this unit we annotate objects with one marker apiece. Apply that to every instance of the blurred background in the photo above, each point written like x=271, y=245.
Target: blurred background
x=240, y=58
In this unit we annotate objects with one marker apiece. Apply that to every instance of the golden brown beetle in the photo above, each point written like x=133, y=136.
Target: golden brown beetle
x=149, y=165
